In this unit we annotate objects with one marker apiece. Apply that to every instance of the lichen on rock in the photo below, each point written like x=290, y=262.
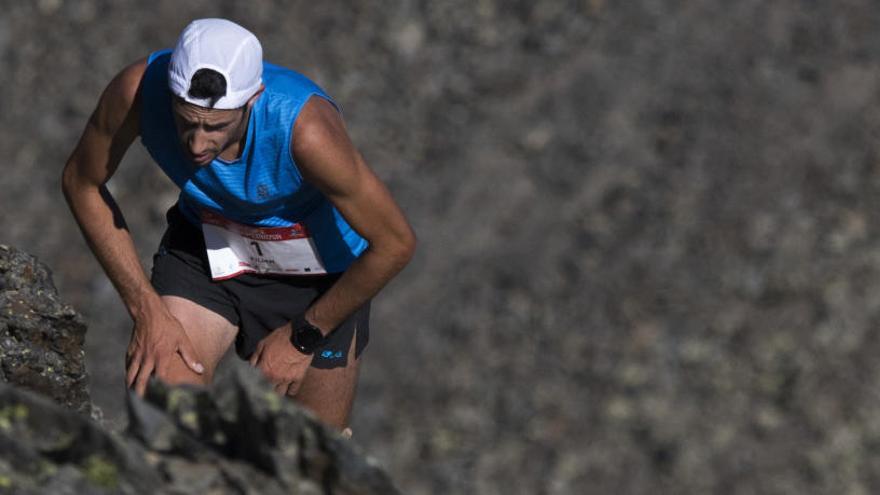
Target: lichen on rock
x=41, y=338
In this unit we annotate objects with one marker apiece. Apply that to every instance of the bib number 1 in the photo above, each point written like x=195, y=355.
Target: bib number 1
x=235, y=248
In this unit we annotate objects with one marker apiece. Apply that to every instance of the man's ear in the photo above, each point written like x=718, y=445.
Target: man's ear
x=250, y=102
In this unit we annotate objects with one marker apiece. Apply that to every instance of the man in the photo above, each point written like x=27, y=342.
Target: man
x=281, y=235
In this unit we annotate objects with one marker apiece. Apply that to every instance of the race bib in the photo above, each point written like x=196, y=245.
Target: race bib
x=234, y=248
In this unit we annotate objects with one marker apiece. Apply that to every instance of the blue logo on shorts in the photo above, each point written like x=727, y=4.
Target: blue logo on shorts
x=328, y=354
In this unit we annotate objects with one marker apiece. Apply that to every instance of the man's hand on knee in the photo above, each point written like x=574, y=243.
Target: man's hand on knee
x=156, y=340
x=283, y=365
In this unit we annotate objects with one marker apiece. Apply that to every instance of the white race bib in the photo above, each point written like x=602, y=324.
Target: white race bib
x=234, y=248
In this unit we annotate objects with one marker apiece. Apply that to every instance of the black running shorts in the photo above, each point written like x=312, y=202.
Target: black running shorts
x=256, y=304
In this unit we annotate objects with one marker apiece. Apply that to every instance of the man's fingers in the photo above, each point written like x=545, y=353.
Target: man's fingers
x=255, y=357
x=132, y=354
x=132, y=366
x=281, y=388
x=143, y=376
x=292, y=389
x=188, y=354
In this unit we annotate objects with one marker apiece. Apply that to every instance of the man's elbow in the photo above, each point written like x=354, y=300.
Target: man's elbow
x=68, y=180
x=404, y=248
x=409, y=245
x=73, y=184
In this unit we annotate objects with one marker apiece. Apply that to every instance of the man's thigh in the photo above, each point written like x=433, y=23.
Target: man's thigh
x=328, y=393
x=210, y=334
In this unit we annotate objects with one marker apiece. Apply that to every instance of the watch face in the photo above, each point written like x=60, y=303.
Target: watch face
x=308, y=337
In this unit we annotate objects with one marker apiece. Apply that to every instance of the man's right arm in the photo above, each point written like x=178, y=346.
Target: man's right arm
x=110, y=131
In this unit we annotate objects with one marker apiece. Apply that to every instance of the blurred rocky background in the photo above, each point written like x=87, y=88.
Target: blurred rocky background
x=647, y=262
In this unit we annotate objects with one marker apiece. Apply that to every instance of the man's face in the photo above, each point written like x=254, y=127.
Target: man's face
x=204, y=133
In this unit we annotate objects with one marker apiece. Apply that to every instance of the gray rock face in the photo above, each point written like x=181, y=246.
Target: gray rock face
x=41, y=338
x=46, y=448
x=240, y=438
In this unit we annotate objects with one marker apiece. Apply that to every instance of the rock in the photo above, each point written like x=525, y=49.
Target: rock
x=46, y=448
x=239, y=437
x=41, y=338
x=241, y=432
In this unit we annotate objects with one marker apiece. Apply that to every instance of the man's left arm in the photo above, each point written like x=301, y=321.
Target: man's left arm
x=327, y=159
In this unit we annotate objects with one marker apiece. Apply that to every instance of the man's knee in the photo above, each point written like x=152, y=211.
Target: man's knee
x=176, y=372
x=329, y=394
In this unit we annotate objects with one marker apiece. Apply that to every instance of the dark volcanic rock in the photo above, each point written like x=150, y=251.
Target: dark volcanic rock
x=45, y=448
x=243, y=438
x=41, y=338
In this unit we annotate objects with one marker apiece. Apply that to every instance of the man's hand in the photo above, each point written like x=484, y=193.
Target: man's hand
x=154, y=342
x=283, y=364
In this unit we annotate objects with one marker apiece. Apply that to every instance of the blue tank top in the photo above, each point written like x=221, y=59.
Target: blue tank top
x=263, y=187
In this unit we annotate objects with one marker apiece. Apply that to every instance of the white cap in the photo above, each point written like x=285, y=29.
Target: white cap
x=225, y=47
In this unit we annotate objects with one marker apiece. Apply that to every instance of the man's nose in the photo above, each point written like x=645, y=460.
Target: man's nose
x=198, y=143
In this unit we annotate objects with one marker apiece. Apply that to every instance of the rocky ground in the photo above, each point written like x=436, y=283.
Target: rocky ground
x=41, y=338
x=238, y=438
x=647, y=260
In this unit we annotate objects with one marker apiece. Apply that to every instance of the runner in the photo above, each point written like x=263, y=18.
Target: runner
x=281, y=234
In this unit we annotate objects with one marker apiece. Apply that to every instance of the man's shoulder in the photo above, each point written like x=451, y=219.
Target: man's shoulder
x=123, y=89
x=160, y=57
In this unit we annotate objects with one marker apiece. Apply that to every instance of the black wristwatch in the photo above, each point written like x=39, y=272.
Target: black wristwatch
x=305, y=336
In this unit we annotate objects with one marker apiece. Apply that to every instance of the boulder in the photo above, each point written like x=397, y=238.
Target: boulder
x=46, y=448
x=242, y=437
x=41, y=338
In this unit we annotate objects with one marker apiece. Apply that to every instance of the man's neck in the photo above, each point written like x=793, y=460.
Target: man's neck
x=235, y=149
